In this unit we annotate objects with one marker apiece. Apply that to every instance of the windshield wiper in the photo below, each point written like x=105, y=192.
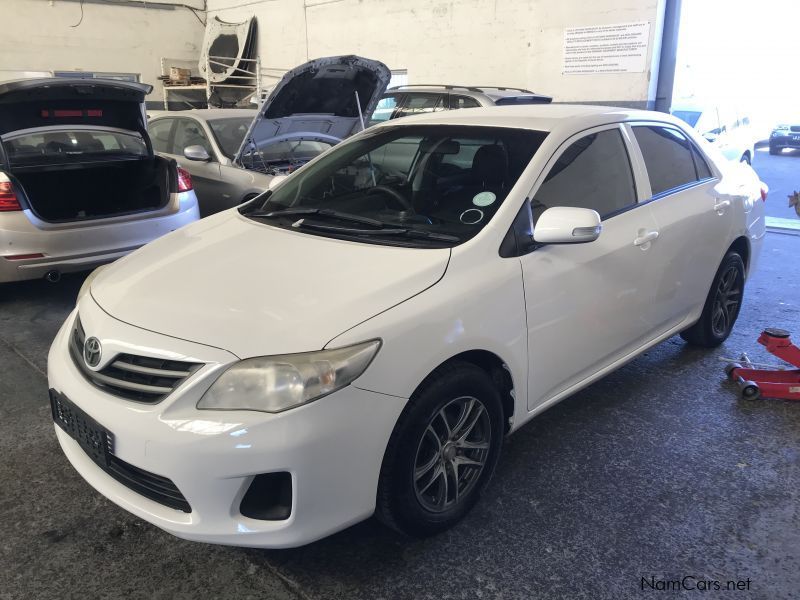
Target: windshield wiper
x=417, y=233
x=325, y=212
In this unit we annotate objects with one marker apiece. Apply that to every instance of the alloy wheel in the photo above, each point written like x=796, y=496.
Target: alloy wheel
x=726, y=301
x=452, y=453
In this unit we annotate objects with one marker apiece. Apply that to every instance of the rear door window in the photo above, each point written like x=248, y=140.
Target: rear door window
x=593, y=172
x=668, y=156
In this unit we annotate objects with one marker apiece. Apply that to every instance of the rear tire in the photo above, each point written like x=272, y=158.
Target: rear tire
x=722, y=305
x=442, y=452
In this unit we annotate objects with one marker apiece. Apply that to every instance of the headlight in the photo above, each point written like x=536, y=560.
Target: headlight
x=88, y=281
x=277, y=383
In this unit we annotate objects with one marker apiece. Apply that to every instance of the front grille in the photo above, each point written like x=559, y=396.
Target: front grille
x=795, y=128
x=130, y=376
x=157, y=488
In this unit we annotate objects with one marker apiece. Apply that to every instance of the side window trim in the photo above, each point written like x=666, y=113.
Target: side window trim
x=629, y=125
x=574, y=138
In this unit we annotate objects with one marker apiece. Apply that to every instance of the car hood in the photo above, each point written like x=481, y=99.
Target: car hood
x=317, y=101
x=47, y=102
x=253, y=289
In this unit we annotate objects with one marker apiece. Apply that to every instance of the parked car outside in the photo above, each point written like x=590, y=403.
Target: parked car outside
x=726, y=128
x=361, y=339
x=785, y=135
x=79, y=183
x=406, y=100
x=234, y=154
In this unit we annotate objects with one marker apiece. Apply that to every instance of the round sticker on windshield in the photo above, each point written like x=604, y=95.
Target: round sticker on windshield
x=484, y=199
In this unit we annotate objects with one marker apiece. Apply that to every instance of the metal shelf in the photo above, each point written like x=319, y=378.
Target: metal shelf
x=249, y=81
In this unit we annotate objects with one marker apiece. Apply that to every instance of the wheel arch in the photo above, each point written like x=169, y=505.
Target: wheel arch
x=497, y=370
x=741, y=246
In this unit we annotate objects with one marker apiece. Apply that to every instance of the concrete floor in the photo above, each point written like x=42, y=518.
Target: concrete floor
x=659, y=470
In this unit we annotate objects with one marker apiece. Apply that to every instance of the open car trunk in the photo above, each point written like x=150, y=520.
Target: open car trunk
x=79, y=148
x=98, y=190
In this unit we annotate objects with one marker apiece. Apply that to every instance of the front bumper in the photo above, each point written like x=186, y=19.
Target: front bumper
x=332, y=448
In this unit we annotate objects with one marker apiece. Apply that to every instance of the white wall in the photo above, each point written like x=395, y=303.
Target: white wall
x=466, y=42
x=36, y=35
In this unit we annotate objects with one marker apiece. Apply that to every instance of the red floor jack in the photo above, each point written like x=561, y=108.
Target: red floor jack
x=770, y=383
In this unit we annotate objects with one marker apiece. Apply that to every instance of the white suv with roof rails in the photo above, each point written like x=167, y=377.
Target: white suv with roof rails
x=407, y=100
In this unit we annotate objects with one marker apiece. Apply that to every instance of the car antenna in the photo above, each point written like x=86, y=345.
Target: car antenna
x=369, y=158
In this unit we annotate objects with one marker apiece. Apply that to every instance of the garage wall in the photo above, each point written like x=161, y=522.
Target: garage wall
x=468, y=42
x=37, y=35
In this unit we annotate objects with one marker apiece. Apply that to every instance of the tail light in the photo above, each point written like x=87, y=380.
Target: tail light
x=8, y=198
x=763, y=194
x=184, y=180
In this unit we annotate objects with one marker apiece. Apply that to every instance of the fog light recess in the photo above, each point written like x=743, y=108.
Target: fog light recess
x=269, y=497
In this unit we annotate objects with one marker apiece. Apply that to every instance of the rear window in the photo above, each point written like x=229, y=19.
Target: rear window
x=668, y=157
x=65, y=145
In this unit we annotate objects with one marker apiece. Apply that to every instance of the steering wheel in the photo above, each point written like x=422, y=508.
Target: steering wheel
x=385, y=189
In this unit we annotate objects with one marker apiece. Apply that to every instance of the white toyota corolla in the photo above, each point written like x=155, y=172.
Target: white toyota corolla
x=360, y=339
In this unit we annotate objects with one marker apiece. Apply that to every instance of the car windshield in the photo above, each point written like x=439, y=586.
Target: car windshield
x=65, y=145
x=416, y=185
x=689, y=116
x=229, y=133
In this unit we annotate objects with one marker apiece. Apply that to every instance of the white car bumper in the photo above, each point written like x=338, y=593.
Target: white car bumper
x=332, y=448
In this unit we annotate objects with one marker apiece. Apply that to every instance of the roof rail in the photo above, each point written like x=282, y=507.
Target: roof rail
x=471, y=88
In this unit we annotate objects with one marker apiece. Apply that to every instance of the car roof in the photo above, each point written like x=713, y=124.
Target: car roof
x=542, y=117
x=206, y=114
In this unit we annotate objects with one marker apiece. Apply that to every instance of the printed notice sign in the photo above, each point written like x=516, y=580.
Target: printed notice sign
x=606, y=48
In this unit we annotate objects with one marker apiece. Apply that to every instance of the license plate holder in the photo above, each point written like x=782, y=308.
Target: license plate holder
x=96, y=440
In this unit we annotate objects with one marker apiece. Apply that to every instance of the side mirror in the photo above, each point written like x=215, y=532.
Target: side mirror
x=567, y=225
x=276, y=181
x=196, y=153
x=711, y=136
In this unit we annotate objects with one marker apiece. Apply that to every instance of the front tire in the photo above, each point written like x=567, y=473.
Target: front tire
x=774, y=150
x=442, y=452
x=722, y=305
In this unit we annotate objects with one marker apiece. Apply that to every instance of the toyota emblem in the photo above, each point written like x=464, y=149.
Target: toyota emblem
x=92, y=351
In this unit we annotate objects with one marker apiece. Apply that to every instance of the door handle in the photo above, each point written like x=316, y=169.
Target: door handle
x=645, y=237
x=721, y=206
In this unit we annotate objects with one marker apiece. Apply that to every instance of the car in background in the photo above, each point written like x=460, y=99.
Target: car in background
x=728, y=129
x=205, y=142
x=234, y=155
x=784, y=136
x=79, y=183
x=362, y=339
x=407, y=100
